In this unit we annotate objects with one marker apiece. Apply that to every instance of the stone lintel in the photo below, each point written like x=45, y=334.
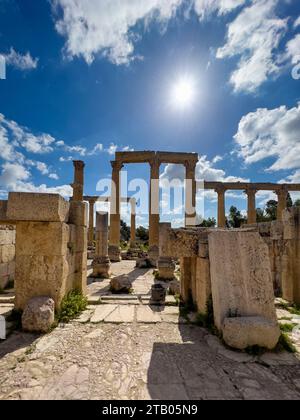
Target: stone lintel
x=243, y=186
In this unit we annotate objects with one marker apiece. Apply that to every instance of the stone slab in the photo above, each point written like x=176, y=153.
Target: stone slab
x=121, y=315
x=101, y=312
x=37, y=207
x=147, y=316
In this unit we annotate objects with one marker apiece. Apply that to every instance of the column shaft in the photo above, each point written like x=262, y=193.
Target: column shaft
x=251, y=206
x=221, y=207
x=282, y=202
x=154, y=211
x=115, y=219
x=101, y=263
x=91, y=222
x=78, y=180
x=190, y=194
x=133, y=222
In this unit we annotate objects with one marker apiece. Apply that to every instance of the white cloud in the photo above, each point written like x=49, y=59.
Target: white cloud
x=271, y=134
x=293, y=49
x=67, y=159
x=204, y=8
x=297, y=22
x=112, y=149
x=205, y=170
x=254, y=36
x=11, y=174
x=97, y=149
x=107, y=27
x=54, y=176
x=42, y=167
x=20, y=61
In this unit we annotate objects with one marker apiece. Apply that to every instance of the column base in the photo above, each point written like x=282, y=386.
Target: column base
x=166, y=268
x=114, y=253
x=101, y=267
x=153, y=255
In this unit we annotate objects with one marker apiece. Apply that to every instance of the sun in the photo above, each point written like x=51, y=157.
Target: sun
x=183, y=93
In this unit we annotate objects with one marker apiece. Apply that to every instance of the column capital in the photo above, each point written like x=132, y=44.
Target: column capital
x=251, y=190
x=78, y=164
x=117, y=165
x=190, y=165
x=154, y=163
x=283, y=190
x=220, y=189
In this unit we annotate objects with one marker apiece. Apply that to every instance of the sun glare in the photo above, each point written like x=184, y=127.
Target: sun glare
x=183, y=93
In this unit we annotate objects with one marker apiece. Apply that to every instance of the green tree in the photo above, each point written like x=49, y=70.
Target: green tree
x=142, y=233
x=297, y=203
x=208, y=223
x=235, y=218
x=260, y=216
x=125, y=231
x=289, y=201
x=271, y=210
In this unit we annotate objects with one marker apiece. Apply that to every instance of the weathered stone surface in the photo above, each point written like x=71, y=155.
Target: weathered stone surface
x=121, y=284
x=101, y=312
x=78, y=214
x=37, y=207
x=240, y=276
x=147, y=316
x=3, y=210
x=122, y=314
x=42, y=238
x=174, y=287
x=244, y=332
x=38, y=315
x=202, y=292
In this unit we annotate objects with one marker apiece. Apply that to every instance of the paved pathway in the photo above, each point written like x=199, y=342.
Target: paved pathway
x=126, y=349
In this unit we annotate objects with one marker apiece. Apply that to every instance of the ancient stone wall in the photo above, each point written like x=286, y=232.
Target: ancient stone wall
x=7, y=254
x=51, y=246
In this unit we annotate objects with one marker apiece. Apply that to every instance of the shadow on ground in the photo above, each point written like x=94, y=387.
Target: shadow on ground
x=202, y=368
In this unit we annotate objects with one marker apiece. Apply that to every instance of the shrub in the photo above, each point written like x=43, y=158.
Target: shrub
x=72, y=306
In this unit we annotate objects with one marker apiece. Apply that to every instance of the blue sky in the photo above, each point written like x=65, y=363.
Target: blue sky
x=87, y=78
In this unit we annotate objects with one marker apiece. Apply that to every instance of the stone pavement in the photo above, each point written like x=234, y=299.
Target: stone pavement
x=125, y=348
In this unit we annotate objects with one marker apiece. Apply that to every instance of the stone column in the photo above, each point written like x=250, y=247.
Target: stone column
x=282, y=202
x=154, y=212
x=221, y=206
x=78, y=180
x=101, y=263
x=115, y=218
x=92, y=202
x=166, y=266
x=133, y=223
x=251, y=205
x=190, y=194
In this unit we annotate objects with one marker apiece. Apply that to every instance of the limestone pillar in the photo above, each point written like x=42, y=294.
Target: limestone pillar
x=166, y=266
x=92, y=203
x=251, y=205
x=154, y=211
x=101, y=263
x=221, y=206
x=78, y=180
x=282, y=202
x=115, y=218
x=133, y=223
x=190, y=194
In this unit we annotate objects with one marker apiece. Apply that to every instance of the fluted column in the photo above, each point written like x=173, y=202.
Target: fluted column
x=221, y=206
x=190, y=193
x=282, y=201
x=154, y=211
x=115, y=218
x=92, y=203
x=251, y=192
x=133, y=222
x=101, y=263
x=78, y=180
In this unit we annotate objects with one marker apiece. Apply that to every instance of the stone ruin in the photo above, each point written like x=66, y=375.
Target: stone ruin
x=46, y=238
x=7, y=255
